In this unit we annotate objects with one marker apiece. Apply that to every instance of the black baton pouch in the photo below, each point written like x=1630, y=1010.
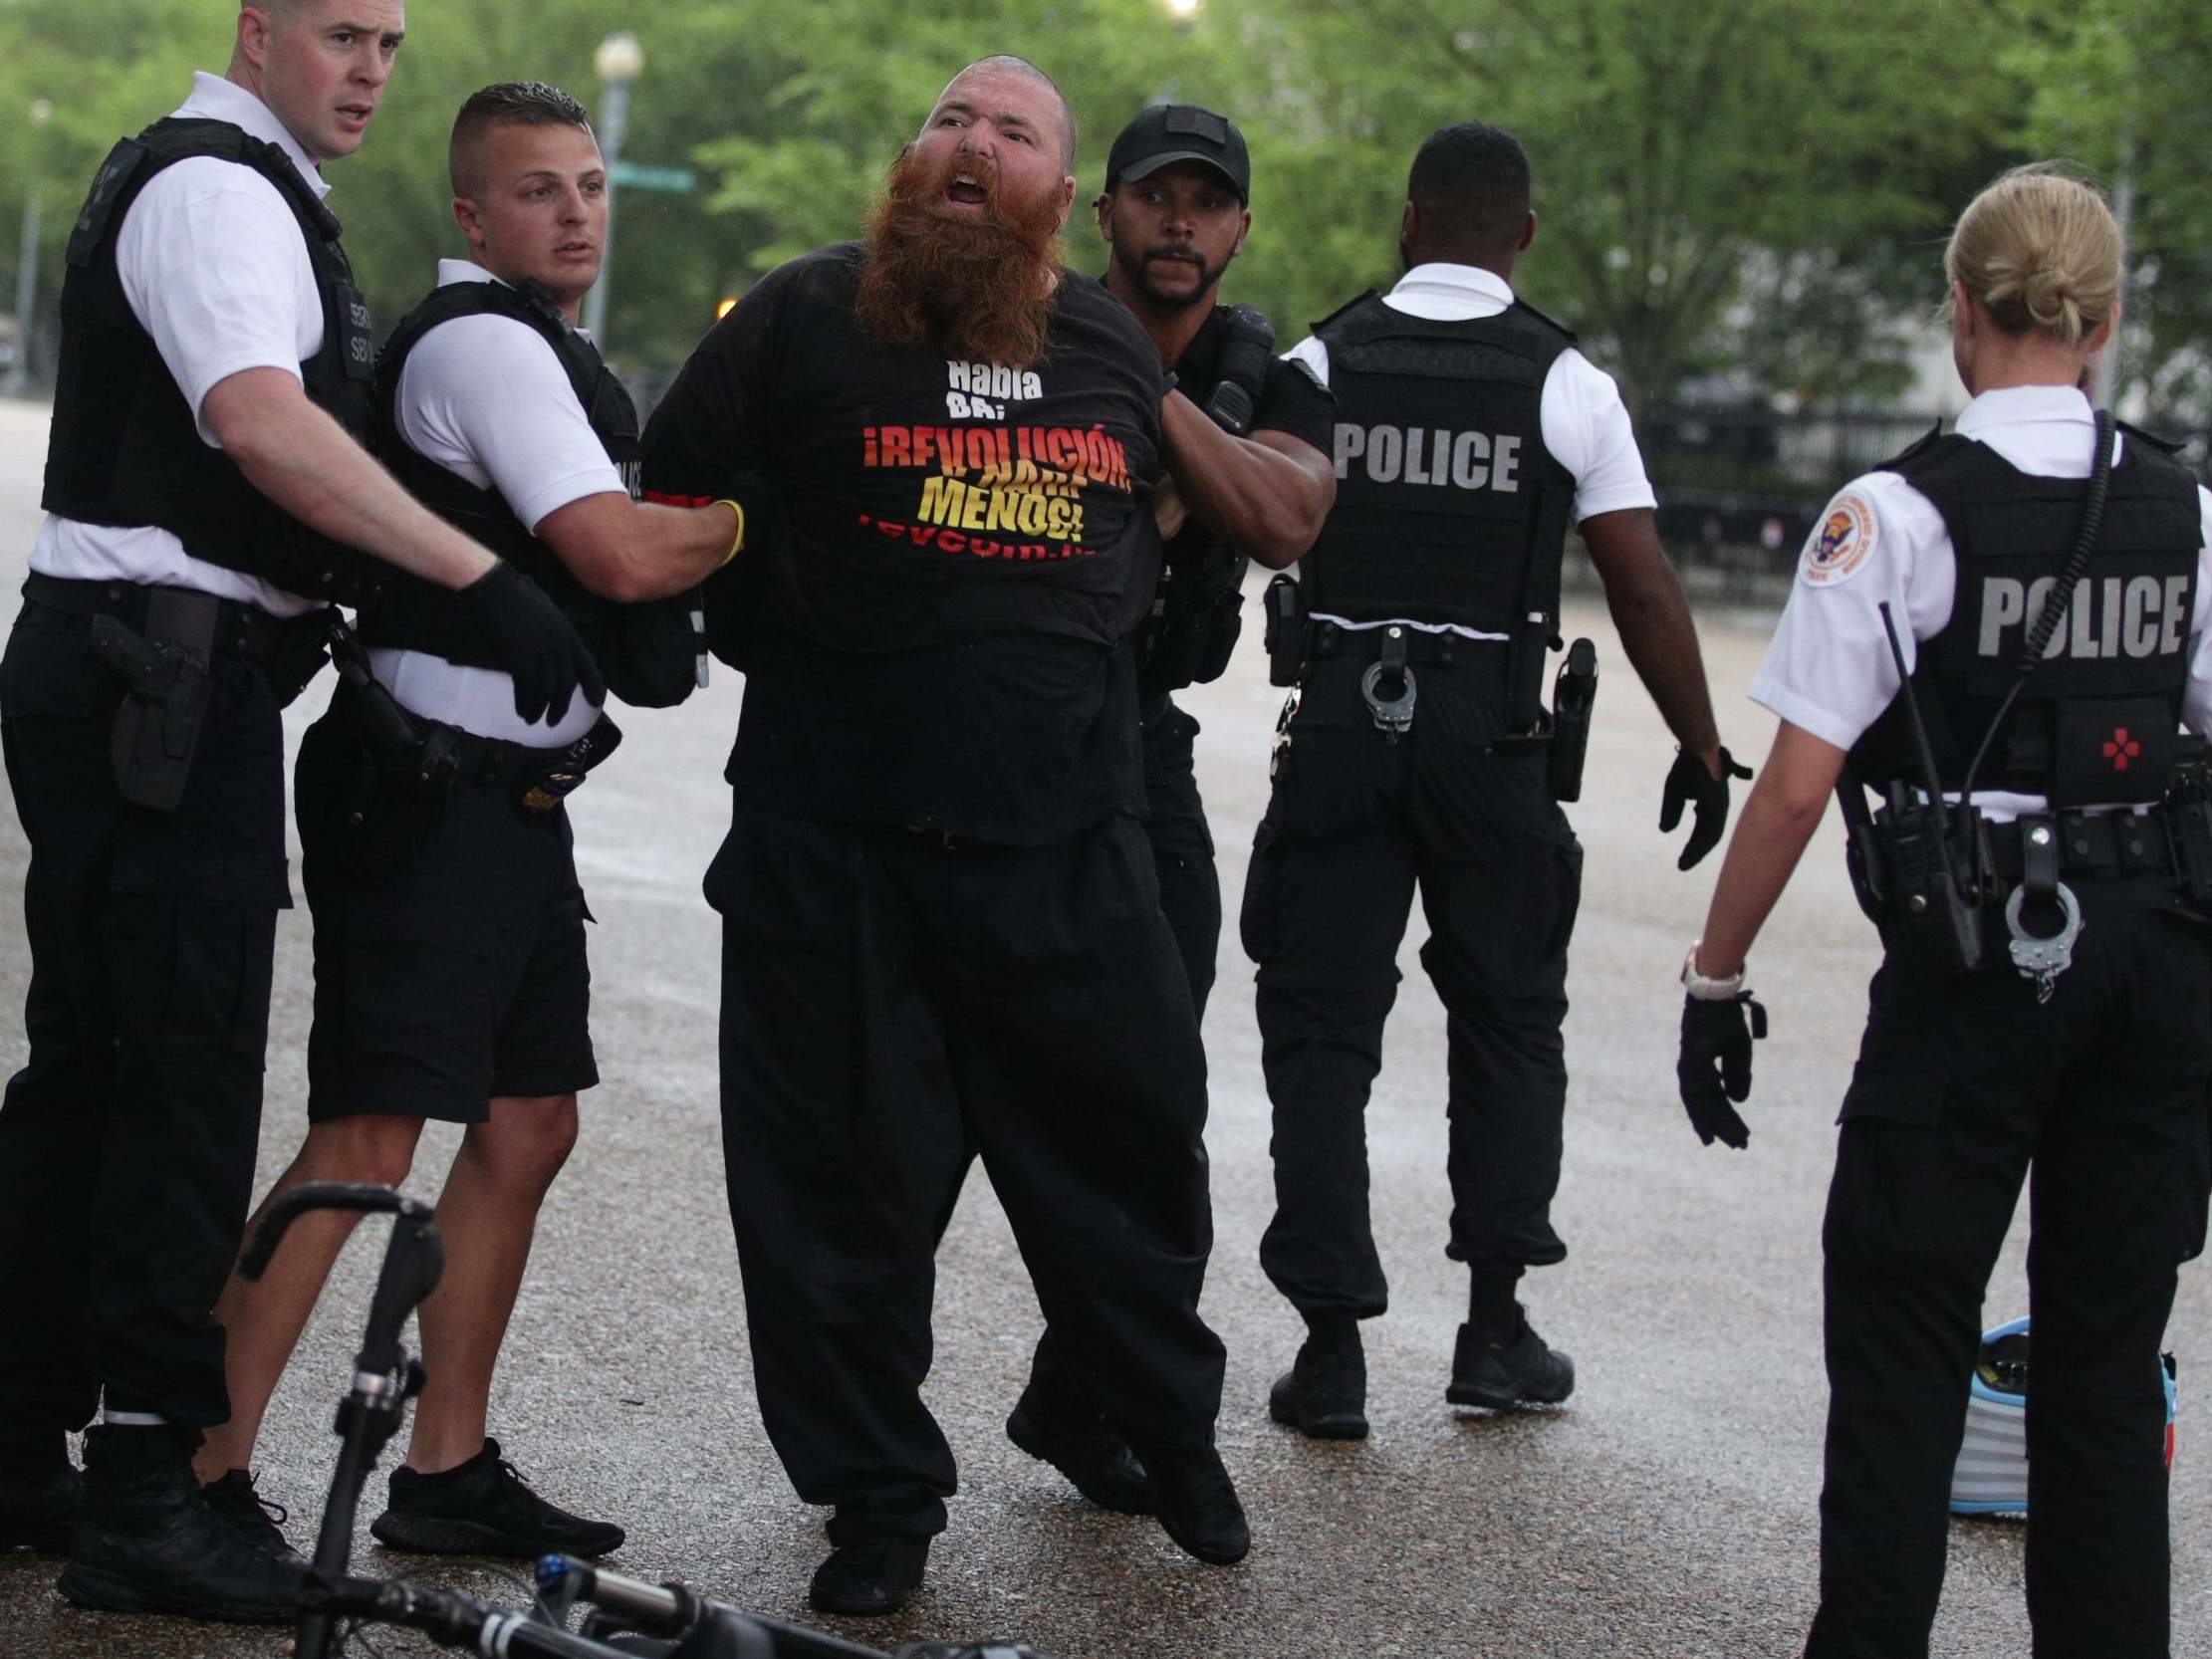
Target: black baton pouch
x=1286, y=631
x=391, y=804
x=158, y=724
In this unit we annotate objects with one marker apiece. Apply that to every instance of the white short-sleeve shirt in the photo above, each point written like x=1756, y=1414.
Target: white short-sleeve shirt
x=1585, y=423
x=486, y=398
x=1829, y=669
x=215, y=269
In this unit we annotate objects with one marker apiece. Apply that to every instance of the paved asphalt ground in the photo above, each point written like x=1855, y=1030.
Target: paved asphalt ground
x=1667, y=1511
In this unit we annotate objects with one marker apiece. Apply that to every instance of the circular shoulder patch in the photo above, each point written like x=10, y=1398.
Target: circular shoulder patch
x=1840, y=543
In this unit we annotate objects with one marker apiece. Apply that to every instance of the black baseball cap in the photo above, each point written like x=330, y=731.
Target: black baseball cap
x=1167, y=133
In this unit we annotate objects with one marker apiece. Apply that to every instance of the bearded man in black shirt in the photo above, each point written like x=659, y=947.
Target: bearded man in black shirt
x=941, y=930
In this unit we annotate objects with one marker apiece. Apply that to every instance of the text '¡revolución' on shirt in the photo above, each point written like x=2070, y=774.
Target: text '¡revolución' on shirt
x=990, y=481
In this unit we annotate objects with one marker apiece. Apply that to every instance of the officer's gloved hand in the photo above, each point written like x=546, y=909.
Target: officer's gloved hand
x=533, y=640
x=1245, y=354
x=1715, y=1065
x=1688, y=783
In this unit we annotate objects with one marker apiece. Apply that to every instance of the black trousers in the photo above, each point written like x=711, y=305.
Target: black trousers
x=1356, y=826
x=891, y=1009
x=1966, y=1089
x=1182, y=846
x=127, y=1142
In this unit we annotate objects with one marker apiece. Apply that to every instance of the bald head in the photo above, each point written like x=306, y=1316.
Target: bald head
x=1005, y=64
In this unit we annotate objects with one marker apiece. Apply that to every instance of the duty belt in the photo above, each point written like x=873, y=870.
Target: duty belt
x=2105, y=845
x=1423, y=649
x=541, y=778
x=243, y=631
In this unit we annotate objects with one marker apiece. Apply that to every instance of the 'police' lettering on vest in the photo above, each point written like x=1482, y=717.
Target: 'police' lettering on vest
x=1432, y=456
x=2111, y=616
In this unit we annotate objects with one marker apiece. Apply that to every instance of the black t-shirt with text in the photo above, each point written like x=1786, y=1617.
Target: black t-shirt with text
x=940, y=642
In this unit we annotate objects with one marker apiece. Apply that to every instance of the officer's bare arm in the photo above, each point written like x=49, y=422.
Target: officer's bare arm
x=1268, y=494
x=1648, y=607
x=1777, y=819
x=627, y=550
x=303, y=461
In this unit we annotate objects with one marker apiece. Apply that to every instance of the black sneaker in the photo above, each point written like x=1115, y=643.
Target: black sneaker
x=1520, y=1369
x=874, y=1576
x=38, y=1504
x=1325, y=1393
x=1196, y=1502
x=147, y=1540
x=255, y=1519
x=484, y=1508
x=1082, y=1446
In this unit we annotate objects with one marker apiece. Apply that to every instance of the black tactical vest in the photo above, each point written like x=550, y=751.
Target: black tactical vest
x=125, y=450
x=421, y=616
x=1449, y=508
x=2096, y=721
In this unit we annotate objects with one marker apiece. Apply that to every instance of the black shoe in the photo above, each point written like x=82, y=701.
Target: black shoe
x=147, y=1542
x=1195, y=1502
x=255, y=1519
x=1082, y=1446
x=875, y=1575
x=1519, y=1368
x=38, y=1503
x=1324, y=1395
x=484, y=1508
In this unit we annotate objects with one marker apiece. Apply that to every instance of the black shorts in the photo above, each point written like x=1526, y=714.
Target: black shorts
x=461, y=977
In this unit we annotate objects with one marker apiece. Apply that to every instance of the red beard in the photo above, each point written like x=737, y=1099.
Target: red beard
x=977, y=286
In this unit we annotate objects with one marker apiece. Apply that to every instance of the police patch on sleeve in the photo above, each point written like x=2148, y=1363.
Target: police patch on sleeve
x=1840, y=543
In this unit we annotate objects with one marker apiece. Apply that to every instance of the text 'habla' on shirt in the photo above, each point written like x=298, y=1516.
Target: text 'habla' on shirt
x=2111, y=616
x=1430, y=455
x=981, y=390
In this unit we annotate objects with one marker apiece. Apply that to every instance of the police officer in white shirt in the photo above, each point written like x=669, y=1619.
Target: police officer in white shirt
x=451, y=978
x=2040, y=1014
x=205, y=493
x=1469, y=436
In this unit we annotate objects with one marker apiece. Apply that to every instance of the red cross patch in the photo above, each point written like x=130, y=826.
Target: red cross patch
x=2119, y=749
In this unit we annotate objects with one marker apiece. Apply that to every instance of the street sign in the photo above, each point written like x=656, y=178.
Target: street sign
x=628, y=175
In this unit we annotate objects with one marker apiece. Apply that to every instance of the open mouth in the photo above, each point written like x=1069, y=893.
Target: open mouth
x=967, y=192
x=357, y=111
x=576, y=250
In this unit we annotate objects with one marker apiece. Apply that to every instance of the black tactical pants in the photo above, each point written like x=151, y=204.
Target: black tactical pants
x=1356, y=824
x=889, y=1010
x=1182, y=846
x=127, y=1141
x=1964, y=1089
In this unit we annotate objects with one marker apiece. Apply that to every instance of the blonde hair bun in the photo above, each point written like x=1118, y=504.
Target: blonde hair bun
x=2039, y=250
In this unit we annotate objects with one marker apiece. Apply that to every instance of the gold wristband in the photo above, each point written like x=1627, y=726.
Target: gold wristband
x=739, y=540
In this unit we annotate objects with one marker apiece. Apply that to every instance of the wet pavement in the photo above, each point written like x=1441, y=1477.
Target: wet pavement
x=1668, y=1510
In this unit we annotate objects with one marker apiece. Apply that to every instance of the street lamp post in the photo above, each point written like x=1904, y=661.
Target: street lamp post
x=18, y=380
x=617, y=61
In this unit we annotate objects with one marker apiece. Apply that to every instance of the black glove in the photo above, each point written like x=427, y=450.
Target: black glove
x=1688, y=781
x=534, y=641
x=1245, y=354
x=1715, y=1066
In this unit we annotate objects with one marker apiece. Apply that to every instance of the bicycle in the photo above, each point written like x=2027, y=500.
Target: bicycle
x=628, y=1617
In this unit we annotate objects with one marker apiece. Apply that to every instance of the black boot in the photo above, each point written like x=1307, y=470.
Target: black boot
x=253, y=1517
x=147, y=1540
x=40, y=1492
x=1508, y=1367
x=1070, y=1435
x=1196, y=1504
x=1325, y=1393
x=871, y=1575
